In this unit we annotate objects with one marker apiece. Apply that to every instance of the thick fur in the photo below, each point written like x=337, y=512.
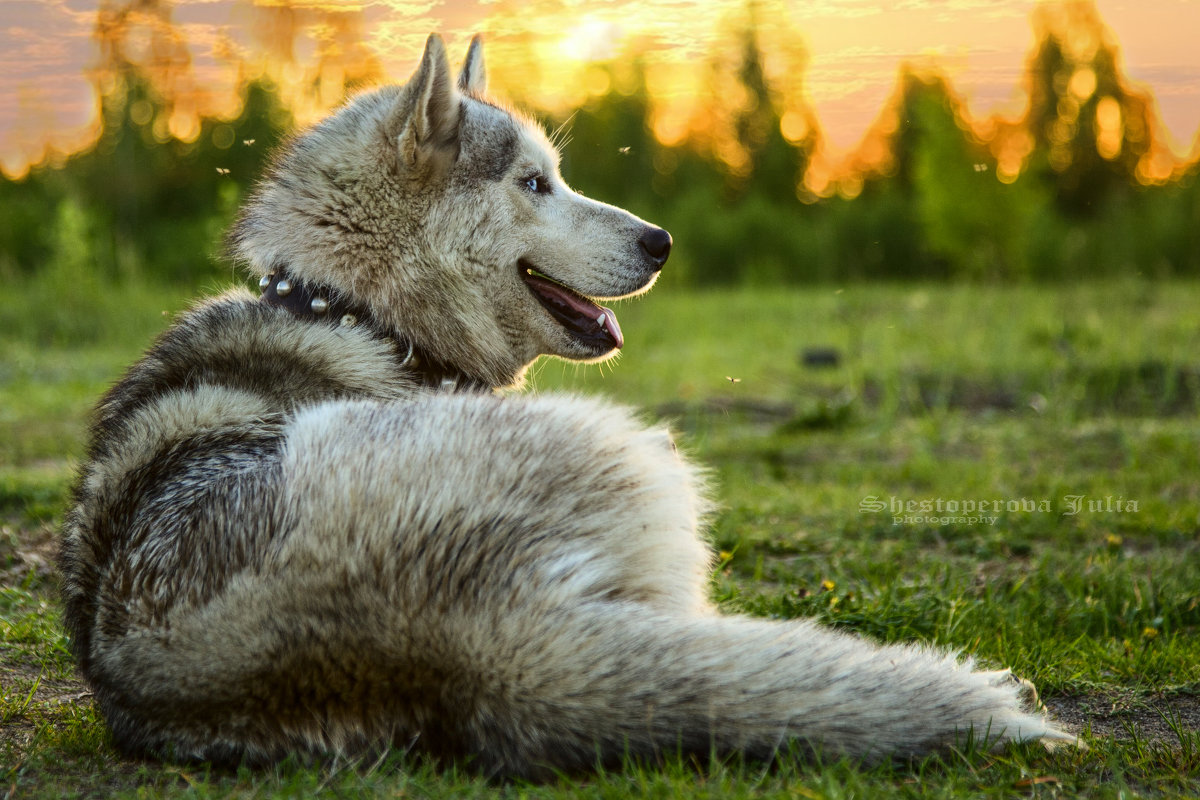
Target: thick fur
x=283, y=542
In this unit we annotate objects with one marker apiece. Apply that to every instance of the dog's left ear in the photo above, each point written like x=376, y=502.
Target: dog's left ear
x=425, y=126
x=473, y=78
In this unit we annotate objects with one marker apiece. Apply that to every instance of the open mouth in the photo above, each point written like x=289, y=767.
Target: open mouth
x=590, y=323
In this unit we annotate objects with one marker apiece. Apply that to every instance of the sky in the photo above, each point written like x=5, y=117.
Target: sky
x=840, y=57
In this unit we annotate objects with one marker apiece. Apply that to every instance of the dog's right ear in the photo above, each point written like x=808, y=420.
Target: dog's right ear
x=425, y=127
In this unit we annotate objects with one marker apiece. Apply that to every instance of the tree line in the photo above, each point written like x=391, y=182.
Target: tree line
x=944, y=202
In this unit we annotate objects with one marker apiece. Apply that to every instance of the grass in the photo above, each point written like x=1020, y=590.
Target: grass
x=1022, y=397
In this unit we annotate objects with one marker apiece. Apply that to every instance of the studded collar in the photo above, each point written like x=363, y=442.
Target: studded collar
x=323, y=305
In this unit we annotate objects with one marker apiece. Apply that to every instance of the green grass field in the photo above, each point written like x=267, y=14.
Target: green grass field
x=1024, y=398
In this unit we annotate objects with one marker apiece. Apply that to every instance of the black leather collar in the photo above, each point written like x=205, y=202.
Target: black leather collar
x=324, y=305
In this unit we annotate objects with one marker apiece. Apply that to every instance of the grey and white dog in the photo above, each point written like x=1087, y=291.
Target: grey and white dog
x=307, y=524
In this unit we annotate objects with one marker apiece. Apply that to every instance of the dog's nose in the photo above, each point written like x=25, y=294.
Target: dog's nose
x=657, y=244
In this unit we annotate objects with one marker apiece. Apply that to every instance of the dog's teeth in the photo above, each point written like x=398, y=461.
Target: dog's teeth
x=600, y=320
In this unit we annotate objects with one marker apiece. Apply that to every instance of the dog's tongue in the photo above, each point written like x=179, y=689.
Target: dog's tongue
x=612, y=327
x=576, y=313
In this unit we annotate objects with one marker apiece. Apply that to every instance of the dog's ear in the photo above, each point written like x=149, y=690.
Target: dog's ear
x=426, y=126
x=473, y=78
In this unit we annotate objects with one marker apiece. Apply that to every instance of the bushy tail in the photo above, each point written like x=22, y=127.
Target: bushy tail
x=599, y=681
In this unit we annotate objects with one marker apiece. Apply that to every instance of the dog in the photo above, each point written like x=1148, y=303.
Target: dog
x=308, y=523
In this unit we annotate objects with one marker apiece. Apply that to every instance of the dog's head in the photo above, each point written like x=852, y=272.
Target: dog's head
x=445, y=215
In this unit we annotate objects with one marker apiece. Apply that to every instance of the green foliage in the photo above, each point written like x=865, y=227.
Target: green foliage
x=972, y=222
x=140, y=204
x=940, y=211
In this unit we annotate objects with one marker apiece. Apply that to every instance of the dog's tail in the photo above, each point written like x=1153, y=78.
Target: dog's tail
x=631, y=681
x=531, y=691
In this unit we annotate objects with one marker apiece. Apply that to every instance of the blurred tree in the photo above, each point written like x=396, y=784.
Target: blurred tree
x=741, y=172
x=970, y=222
x=1092, y=132
x=608, y=149
x=774, y=165
x=162, y=200
x=1075, y=195
x=152, y=196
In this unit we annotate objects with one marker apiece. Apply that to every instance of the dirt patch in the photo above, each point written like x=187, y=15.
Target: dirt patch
x=48, y=700
x=27, y=554
x=1119, y=714
x=50, y=692
x=27, y=558
x=1152, y=388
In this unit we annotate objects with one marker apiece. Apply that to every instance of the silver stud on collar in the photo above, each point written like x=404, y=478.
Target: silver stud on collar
x=264, y=282
x=319, y=305
x=283, y=288
x=349, y=320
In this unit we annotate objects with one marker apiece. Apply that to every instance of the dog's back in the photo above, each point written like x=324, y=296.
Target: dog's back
x=268, y=554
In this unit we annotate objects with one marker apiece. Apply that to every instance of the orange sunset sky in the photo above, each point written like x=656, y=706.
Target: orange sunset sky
x=838, y=56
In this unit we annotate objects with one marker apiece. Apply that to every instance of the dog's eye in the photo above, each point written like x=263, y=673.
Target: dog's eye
x=537, y=184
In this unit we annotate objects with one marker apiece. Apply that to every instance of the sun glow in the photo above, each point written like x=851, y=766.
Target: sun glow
x=591, y=40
